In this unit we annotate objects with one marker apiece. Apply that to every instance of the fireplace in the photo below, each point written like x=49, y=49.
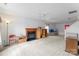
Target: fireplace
x=31, y=33
x=35, y=33
x=31, y=36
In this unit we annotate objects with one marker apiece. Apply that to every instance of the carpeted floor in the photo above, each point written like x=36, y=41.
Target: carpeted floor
x=50, y=46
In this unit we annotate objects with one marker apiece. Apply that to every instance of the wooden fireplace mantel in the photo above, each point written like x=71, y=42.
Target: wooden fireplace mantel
x=31, y=29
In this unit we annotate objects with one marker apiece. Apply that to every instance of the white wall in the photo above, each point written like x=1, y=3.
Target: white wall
x=60, y=27
x=0, y=35
x=4, y=33
x=74, y=28
x=18, y=26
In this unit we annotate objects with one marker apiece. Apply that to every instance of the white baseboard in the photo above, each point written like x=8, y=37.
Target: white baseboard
x=61, y=33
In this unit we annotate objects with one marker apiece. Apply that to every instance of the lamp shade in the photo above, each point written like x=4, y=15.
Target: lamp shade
x=7, y=21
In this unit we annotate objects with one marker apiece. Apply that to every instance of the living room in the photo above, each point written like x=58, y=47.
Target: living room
x=32, y=26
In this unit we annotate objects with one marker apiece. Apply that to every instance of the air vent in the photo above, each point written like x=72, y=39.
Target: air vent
x=74, y=11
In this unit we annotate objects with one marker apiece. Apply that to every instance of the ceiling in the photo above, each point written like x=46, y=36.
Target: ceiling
x=47, y=12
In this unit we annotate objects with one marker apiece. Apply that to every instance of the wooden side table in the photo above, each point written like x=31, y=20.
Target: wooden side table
x=22, y=39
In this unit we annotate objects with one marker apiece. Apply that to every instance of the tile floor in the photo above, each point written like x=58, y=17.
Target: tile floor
x=50, y=46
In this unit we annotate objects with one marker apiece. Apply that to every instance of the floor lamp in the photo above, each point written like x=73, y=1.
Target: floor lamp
x=7, y=25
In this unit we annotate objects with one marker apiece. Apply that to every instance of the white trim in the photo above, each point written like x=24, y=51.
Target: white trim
x=61, y=33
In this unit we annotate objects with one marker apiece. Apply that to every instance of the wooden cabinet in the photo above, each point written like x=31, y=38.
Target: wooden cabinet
x=72, y=45
x=44, y=33
x=39, y=33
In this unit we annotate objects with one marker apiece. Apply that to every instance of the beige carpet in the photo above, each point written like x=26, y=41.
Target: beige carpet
x=50, y=46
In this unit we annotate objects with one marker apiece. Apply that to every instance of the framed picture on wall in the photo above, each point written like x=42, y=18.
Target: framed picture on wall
x=66, y=26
